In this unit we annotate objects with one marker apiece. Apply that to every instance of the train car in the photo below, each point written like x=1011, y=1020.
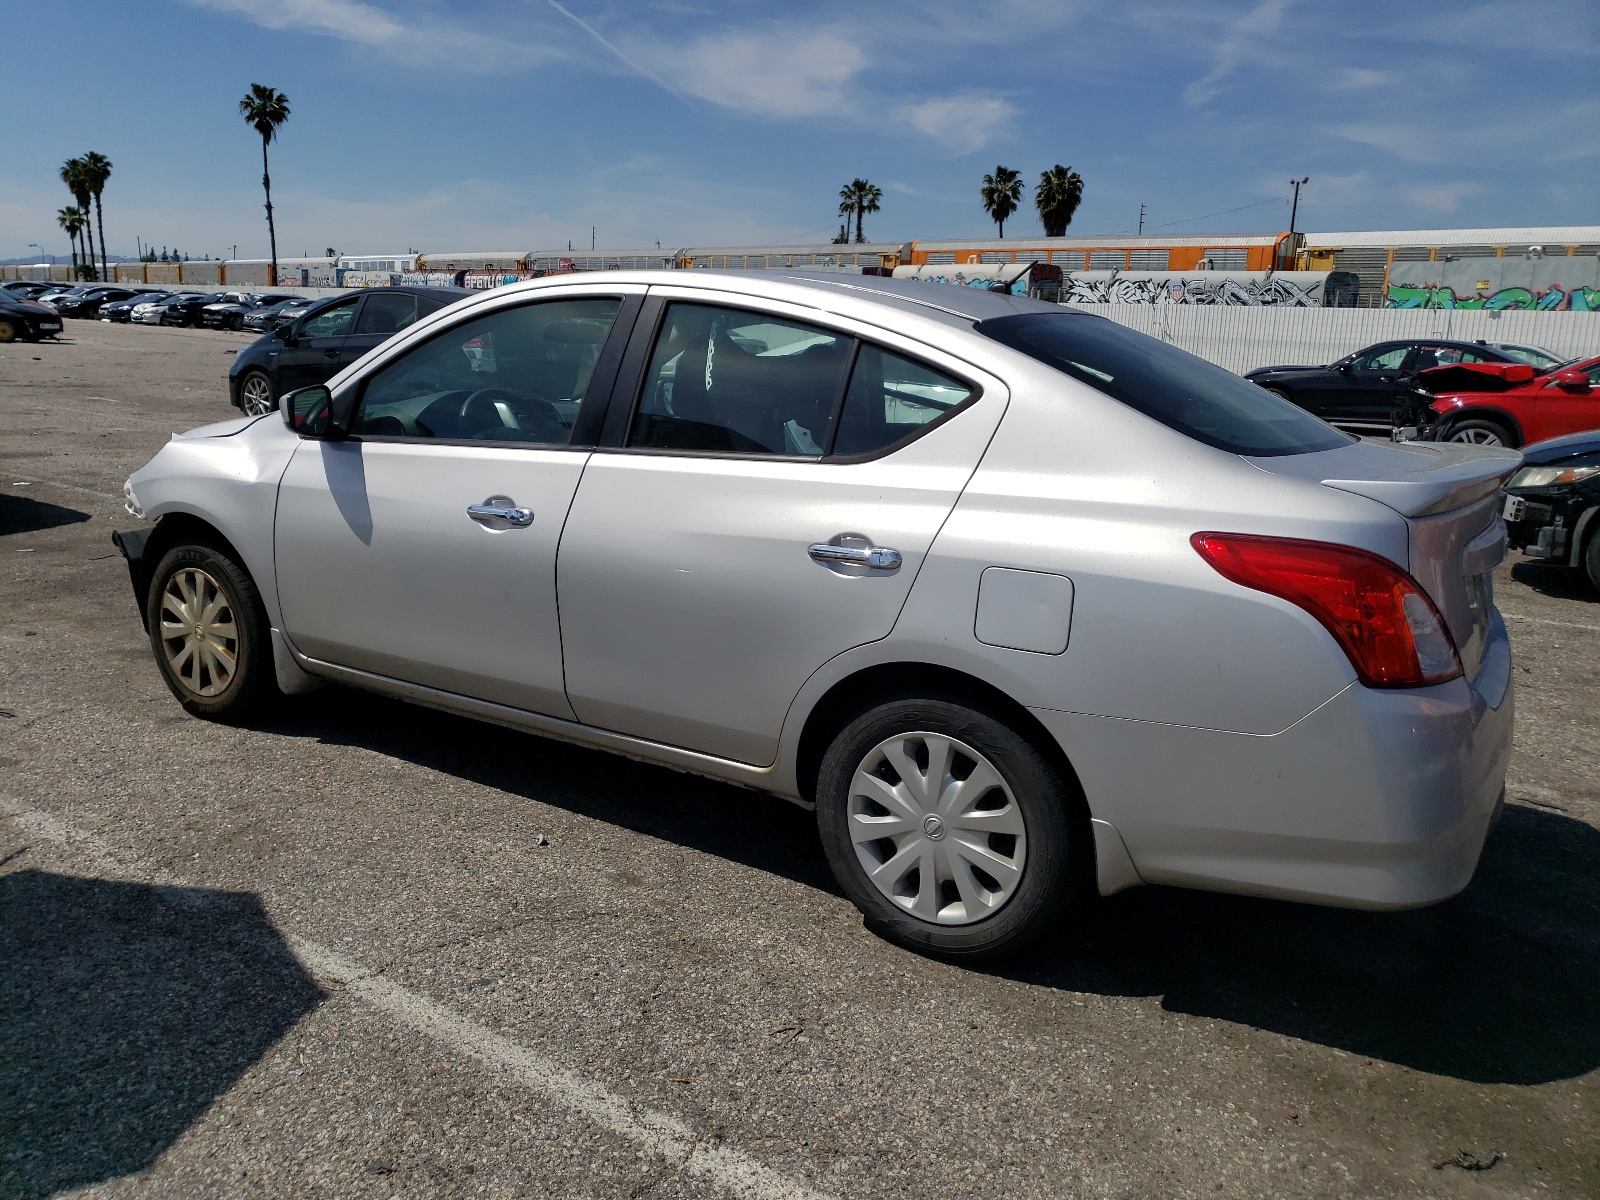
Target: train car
x=837, y=256
x=374, y=270
x=554, y=262
x=1371, y=253
x=1202, y=252
x=505, y=261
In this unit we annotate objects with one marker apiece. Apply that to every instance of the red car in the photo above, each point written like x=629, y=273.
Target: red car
x=1501, y=404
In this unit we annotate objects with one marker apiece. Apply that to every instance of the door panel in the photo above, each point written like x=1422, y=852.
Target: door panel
x=319, y=342
x=381, y=568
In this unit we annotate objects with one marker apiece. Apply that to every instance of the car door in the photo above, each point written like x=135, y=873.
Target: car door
x=739, y=535
x=1364, y=393
x=423, y=546
x=1555, y=409
x=310, y=354
x=382, y=316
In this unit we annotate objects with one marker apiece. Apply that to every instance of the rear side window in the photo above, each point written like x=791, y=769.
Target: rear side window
x=1183, y=392
x=387, y=313
x=330, y=322
x=890, y=399
x=721, y=379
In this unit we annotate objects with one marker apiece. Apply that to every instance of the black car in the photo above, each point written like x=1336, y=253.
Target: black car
x=27, y=289
x=265, y=320
x=86, y=305
x=27, y=320
x=1361, y=389
x=1553, y=504
x=231, y=315
x=120, y=312
x=326, y=338
x=184, y=308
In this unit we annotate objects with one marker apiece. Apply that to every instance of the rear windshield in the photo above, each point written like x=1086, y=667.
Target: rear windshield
x=1174, y=387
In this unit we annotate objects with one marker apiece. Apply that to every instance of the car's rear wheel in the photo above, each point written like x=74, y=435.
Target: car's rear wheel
x=8, y=331
x=949, y=831
x=1591, y=560
x=255, y=394
x=209, y=632
x=1478, y=432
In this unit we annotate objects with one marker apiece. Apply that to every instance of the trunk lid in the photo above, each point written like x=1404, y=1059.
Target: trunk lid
x=1450, y=496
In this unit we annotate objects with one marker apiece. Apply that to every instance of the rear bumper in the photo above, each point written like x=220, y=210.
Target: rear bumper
x=1378, y=799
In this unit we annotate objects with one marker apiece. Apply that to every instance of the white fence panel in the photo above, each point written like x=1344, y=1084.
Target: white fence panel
x=1242, y=339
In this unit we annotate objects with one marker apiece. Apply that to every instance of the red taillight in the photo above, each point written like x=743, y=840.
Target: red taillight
x=1375, y=611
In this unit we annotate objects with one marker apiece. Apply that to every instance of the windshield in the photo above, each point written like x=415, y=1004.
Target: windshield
x=1181, y=391
x=1532, y=355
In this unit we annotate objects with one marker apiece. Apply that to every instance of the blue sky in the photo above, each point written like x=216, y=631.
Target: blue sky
x=519, y=124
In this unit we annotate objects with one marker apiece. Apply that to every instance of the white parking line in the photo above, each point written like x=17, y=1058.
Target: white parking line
x=712, y=1165
x=1550, y=621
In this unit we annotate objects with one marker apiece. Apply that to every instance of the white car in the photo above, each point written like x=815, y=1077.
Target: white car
x=1023, y=602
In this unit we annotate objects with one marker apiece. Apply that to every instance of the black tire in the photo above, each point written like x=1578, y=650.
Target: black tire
x=252, y=685
x=1591, y=560
x=1481, y=431
x=8, y=331
x=236, y=322
x=1052, y=810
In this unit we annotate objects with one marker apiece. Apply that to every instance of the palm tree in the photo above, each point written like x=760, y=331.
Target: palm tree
x=858, y=198
x=1002, y=192
x=1058, y=195
x=97, y=170
x=264, y=109
x=71, y=222
x=77, y=181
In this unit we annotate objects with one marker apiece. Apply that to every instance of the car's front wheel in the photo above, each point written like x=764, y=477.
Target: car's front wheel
x=255, y=394
x=1481, y=433
x=209, y=632
x=8, y=331
x=948, y=830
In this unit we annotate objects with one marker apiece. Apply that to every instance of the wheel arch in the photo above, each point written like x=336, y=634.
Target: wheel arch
x=174, y=529
x=1498, y=416
x=862, y=689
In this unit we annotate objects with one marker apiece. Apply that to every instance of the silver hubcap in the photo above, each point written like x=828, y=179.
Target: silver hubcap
x=198, y=632
x=257, y=396
x=1478, y=437
x=936, y=828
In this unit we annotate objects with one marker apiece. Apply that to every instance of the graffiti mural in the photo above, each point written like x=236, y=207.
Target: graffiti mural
x=1243, y=289
x=1557, y=284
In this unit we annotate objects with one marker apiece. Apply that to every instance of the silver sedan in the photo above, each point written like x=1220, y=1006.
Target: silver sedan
x=1025, y=604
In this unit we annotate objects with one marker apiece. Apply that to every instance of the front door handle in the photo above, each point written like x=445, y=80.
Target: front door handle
x=878, y=558
x=501, y=512
x=330, y=354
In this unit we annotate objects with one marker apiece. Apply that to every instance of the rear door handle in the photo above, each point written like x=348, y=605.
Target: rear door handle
x=878, y=558
x=501, y=512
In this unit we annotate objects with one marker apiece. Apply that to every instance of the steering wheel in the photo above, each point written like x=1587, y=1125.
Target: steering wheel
x=487, y=412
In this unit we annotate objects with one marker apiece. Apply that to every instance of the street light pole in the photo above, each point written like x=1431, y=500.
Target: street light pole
x=1294, y=207
x=1141, y=220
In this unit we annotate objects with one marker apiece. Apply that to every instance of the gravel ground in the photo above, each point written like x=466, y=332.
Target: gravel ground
x=371, y=950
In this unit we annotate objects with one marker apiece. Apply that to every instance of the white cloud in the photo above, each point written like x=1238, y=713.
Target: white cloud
x=1440, y=197
x=964, y=122
x=365, y=25
x=1354, y=79
x=1241, y=43
x=776, y=72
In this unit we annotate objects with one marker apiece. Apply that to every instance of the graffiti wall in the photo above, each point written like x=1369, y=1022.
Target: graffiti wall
x=1552, y=284
x=1242, y=289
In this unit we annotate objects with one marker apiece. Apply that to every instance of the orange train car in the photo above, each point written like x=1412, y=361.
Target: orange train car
x=1207, y=252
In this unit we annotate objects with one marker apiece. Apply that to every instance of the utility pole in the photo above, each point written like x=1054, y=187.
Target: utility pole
x=1141, y=220
x=591, y=238
x=1294, y=207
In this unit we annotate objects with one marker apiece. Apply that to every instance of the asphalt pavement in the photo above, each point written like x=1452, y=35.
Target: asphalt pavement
x=364, y=949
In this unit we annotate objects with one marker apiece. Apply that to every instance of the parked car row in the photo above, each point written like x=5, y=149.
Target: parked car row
x=156, y=306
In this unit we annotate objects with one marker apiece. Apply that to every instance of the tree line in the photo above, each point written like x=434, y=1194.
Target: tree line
x=1056, y=196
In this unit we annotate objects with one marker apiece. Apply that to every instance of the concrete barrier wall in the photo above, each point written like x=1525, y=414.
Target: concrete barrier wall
x=1242, y=339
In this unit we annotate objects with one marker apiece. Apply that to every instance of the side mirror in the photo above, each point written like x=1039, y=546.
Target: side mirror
x=1342, y=367
x=1576, y=381
x=309, y=412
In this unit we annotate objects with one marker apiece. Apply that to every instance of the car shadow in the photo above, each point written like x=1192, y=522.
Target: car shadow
x=128, y=1009
x=1500, y=985
x=1561, y=583
x=23, y=514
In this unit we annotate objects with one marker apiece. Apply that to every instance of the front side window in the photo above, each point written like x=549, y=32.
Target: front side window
x=721, y=379
x=1181, y=391
x=330, y=322
x=1381, y=360
x=514, y=375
